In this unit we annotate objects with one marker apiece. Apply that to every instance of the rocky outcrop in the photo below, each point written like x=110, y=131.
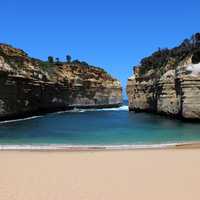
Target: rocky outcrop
x=30, y=86
x=168, y=82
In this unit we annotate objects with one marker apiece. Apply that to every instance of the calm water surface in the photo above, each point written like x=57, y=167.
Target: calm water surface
x=105, y=127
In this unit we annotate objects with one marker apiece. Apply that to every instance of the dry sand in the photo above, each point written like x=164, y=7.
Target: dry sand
x=102, y=175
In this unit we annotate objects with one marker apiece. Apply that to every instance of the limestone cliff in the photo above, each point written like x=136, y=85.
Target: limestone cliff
x=168, y=82
x=30, y=86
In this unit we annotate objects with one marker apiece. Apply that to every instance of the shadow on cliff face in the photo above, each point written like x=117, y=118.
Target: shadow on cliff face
x=196, y=57
x=152, y=100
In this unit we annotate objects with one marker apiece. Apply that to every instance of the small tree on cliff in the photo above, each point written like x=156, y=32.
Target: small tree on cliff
x=50, y=59
x=57, y=60
x=58, y=63
x=68, y=58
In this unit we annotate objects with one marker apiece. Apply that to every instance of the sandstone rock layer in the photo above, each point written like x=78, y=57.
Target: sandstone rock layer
x=30, y=86
x=168, y=82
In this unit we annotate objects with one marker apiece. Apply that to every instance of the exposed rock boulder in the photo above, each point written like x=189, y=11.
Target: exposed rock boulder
x=30, y=86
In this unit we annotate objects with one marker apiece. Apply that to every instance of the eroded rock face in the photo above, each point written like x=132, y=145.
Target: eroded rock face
x=171, y=89
x=30, y=86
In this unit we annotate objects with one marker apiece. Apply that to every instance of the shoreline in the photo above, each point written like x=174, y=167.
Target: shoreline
x=77, y=109
x=79, y=148
x=45, y=111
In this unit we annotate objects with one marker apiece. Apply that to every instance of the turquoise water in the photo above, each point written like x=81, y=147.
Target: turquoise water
x=98, y=127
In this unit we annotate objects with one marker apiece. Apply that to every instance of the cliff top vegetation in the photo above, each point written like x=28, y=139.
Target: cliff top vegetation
x=17, y=59
x=159, y=59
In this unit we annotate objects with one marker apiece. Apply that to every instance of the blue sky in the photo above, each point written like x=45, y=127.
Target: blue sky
x=111, y=34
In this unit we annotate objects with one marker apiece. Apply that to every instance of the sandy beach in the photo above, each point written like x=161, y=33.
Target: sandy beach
x=99, y=175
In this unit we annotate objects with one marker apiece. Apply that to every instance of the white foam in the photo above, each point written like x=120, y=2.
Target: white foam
x=91, y=147
x=122, y=108
x=18, y=120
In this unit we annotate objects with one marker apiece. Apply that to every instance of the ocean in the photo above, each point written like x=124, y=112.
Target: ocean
x=106, y=128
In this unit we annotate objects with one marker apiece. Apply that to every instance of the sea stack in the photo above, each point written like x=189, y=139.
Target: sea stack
x=168, y=82
x=30, y=86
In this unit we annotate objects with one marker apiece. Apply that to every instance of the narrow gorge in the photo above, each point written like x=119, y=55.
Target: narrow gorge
x=168, y=82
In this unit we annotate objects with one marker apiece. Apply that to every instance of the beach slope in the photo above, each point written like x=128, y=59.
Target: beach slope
x=114, y=175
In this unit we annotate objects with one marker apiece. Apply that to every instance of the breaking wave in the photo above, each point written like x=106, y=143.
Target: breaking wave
x=122, y=108
x=19, y=120
x=94, y=147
